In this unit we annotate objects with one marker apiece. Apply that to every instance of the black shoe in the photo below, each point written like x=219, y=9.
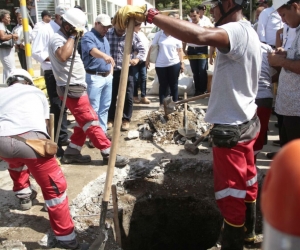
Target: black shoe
x=270, y=155
x=120, y=160
x=64, y=143
x=26, y=203
x=90, y=144
x=72, y=244
x=78, y=158
x=276, y=143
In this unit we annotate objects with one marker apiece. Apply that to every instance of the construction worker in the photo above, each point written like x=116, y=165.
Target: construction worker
x=24, y=111
x=280, y=200
x=40, y=53
x=231, y=107
x=60, y=53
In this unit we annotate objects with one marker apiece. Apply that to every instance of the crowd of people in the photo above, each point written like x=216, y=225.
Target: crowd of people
x=249, y=60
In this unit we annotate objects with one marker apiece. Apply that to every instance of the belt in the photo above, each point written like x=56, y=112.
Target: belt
x=197, y=47
x=48, y=71
x=201, y=56
x=104, y=74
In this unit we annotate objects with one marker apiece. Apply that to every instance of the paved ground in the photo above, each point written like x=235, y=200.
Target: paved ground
x=30, y=226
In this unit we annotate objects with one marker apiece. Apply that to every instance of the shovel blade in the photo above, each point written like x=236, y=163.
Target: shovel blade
x=99, y=243
x=169, y=105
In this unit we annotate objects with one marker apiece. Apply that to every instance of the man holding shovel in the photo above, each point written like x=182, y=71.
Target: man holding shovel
x=61, y=49
x=231, y=107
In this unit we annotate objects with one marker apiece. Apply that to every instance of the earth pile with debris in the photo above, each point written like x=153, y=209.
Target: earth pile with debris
x=163, y=129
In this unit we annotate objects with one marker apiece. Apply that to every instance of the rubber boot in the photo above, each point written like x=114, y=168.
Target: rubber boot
x=233, y=237
x=250, y=222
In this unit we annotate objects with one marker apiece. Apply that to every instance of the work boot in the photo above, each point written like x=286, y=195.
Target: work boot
x=145, y=100
x=76, y=158
x=90, y=144
x=250, y=222
x=26, y=203
x=120, y=160
x=233, y=237
x=125, y=125
x=110, y=124
x=136, y=100
x=71, y=244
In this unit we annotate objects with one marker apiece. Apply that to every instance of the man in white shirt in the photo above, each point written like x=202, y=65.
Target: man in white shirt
x=46, y=18
x=19, y=44
x=268, y=23
x=41, y=54
x=198, y=54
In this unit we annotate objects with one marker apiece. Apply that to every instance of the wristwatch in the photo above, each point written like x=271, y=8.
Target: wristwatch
x=151, y=13
x=73, y=37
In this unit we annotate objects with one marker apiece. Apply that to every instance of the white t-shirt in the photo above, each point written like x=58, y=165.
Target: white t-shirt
x=19, y=30
x=41, y=43
x=203, y=22
x=2, y=26
x=268, y=23
x=36, y=28
x=167, y=53
x=236, y=74
x=61, y=69
x=265, y=79
x=23, y=108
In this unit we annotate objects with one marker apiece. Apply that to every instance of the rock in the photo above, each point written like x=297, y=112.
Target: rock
x=133, y=134
x=147, y=135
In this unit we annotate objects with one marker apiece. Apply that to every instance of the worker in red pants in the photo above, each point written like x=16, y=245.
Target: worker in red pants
x=24, y=112
x=60, y=52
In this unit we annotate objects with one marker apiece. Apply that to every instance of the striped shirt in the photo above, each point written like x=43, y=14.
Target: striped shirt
x=117, y=44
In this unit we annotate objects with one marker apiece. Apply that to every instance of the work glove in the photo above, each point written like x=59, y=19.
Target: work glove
x=122, y=16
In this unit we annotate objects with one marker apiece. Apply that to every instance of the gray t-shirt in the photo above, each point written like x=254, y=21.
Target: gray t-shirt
x=235, y=79
x=61, y=69
x=288, y=93
x=265, y=79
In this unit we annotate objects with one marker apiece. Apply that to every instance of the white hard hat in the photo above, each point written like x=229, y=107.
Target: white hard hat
x=278, y=3
x=18, y=75
x=75, y=17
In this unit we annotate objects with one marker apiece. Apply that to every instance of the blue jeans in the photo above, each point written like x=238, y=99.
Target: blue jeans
x=139, y=72
x=168, y=78
x=99, y=90
x=199, y=67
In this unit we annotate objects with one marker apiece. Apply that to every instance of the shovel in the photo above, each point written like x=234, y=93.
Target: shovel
x=169, y=105
x=193, y=148
x=100, y=242
x=186, y=132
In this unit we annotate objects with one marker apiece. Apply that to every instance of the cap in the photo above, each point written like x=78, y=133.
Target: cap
x=104, y=19
x=201, y=7
x=45, y=13
x=60, y=9
x=280, y=194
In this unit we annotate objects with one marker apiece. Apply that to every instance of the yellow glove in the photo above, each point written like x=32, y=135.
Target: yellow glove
x=121, y=17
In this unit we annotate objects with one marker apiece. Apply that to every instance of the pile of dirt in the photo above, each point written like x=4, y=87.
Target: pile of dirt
x=165, y=127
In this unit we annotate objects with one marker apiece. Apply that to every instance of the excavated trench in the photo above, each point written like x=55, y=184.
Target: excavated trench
x=165, y=205
x=174, y=211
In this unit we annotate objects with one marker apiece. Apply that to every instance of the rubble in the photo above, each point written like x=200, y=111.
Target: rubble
x=165, y=128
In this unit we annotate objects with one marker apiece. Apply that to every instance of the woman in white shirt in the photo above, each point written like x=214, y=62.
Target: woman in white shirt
x=7, y=55
x=168, y=65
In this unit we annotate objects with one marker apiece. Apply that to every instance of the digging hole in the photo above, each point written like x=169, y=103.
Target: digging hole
x=178, y=213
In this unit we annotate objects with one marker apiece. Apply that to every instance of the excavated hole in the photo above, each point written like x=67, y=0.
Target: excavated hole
x=176, y=212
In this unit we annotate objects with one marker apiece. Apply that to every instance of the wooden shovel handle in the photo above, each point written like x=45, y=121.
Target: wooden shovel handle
x=193, y=98
x=119, y=109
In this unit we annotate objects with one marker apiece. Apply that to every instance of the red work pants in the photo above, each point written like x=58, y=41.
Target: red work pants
x=235, y=178
x=88, y=122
